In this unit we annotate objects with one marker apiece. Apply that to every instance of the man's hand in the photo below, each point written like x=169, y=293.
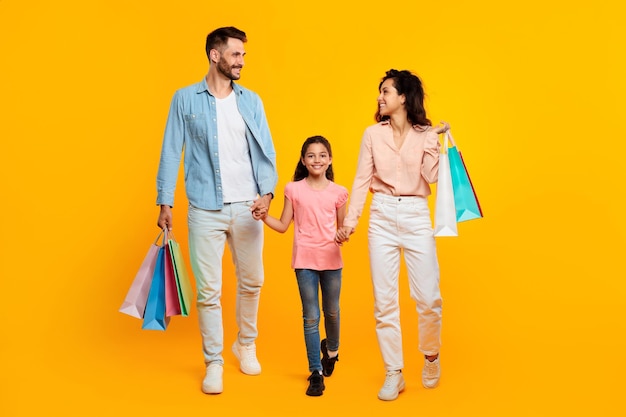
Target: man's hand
x=261, y=206
x=259, y=214
x=165, y=218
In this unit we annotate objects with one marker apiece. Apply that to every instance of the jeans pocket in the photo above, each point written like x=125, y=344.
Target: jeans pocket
x=377, y=206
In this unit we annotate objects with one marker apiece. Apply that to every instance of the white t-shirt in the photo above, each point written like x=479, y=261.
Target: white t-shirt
x=238, y=182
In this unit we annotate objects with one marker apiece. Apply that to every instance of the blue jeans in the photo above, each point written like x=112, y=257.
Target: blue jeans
x=308, y=283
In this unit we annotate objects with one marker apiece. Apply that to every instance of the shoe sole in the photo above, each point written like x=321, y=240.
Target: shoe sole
x=430, y=386
x=316, y=393
x=212, y=391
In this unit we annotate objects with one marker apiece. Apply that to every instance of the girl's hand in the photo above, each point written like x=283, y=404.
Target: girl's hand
x=259, y=213
x=343, y=234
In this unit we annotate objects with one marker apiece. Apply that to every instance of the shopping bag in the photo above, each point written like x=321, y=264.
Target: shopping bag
x=154, y=316
x=465, y=200
x=183, y=285
x=445, y=211
x=135, y=302
x=172, y=304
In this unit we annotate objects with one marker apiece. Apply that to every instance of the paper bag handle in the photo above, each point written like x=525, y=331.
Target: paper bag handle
x=449, y=136
x=159, y=236
x=444, y=148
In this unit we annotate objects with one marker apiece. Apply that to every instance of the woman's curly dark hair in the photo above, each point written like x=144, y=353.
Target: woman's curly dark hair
x=410, y=85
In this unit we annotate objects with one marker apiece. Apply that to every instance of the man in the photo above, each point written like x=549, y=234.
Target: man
x=230, y=171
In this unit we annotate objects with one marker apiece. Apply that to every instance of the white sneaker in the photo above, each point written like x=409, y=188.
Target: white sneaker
x=212, y=383
x=246, y=354
x=394, y=385
x=431, y=373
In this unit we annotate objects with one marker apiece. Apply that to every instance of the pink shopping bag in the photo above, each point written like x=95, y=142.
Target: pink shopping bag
x=172, y=304
x=135, y=302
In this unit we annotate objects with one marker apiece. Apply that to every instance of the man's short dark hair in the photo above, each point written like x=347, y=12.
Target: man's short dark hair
x=219, y=38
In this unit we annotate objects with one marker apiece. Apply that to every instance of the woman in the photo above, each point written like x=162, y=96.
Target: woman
x=399, y=158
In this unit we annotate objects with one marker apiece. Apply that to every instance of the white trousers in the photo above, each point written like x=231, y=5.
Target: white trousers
x=209, y=231
x=403, y=225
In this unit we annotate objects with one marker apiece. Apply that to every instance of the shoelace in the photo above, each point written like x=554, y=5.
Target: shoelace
x=391, y=380
x=316, y=380
x=431, y=369
x=248, y=352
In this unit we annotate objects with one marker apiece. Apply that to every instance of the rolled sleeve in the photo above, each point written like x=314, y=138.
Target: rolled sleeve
x=430, y=164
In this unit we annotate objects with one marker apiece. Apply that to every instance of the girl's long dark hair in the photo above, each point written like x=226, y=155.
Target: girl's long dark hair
x=411, y=86
x=301, y=171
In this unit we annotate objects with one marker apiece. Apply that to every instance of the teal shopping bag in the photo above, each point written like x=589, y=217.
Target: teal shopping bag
x=465, y=200
x=154, y=316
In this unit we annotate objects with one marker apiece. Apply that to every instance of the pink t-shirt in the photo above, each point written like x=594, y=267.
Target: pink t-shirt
x=315, y=225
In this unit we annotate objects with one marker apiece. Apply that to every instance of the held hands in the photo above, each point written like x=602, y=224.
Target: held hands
x=260, y=207
x=343, y=234
x=259, y=214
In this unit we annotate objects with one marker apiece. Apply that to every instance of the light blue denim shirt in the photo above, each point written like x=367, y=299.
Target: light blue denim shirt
x=192, y=127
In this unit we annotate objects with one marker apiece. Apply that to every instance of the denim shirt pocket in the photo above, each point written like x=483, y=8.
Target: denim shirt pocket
x=196, y=125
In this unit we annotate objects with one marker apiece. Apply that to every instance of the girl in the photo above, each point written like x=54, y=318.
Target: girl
x=317, y=207
x=398, y=160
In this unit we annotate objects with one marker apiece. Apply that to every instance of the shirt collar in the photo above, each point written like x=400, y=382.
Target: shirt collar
x=203, y=86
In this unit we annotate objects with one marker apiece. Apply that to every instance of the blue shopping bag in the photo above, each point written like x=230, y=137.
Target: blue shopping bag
x=465, y=200
x=154, y=315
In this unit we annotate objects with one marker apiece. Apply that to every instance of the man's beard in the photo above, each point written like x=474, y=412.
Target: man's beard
x=226, y=70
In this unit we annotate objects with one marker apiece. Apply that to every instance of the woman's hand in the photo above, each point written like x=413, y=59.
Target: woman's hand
x=441, y=127
x=343, y=234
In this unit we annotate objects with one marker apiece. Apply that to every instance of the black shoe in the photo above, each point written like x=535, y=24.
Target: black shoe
x=316, y=384
x=327, y=363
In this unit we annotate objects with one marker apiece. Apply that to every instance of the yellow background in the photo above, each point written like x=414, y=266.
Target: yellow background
x=534, y=320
